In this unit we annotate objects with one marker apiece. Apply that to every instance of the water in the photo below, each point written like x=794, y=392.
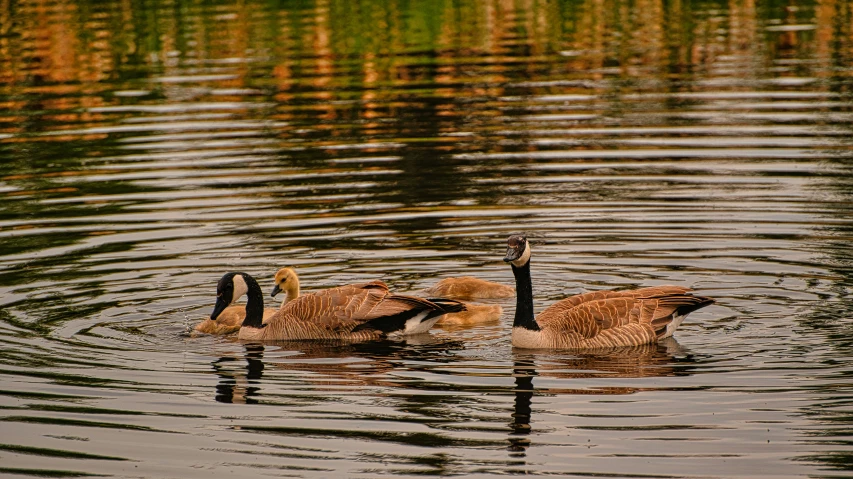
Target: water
x=147, y=149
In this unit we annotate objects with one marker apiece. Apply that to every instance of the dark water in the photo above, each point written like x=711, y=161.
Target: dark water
x=148, y=147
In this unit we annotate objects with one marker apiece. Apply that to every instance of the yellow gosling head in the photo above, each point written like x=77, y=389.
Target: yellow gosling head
x=286, y=280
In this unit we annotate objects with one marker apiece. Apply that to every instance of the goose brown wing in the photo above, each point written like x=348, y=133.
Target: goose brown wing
x=590, y=317
x=398, y=303
x=395, y=312
x=591, y=314
x=343, y=307
x=650, y=292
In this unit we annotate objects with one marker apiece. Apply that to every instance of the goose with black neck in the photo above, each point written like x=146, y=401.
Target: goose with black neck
x=353, y=312
x=600, y=319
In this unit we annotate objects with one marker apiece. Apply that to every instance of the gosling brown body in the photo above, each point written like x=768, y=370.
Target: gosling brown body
x=474, y=314
x=229, y=321
x=469, y=287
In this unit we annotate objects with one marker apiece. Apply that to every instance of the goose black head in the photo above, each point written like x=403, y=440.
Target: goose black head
x=229, y=289
x=517, y=251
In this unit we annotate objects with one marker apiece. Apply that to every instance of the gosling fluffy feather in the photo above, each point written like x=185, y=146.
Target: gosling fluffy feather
x=473, y=314
x=469, y=287
x=228, y=321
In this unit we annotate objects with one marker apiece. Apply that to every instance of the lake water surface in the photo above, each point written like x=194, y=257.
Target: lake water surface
x=148, y=147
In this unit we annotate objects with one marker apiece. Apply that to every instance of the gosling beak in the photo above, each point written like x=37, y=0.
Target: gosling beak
x=275, y=291
x=221, y=304
x=512, y=254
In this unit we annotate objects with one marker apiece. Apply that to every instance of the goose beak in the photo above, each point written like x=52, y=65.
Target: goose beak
x=275, y=291
x=221, y=304
x=512, y=254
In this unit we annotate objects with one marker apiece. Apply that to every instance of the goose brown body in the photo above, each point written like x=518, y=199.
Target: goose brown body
x=601, y=319
x=357, y=312
x=606, y=319
x=328, y=314
x=469, y=287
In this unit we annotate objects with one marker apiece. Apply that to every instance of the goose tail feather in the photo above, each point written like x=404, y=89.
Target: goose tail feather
x=448, y=305
x=682, y=305
x=420, y=316
x=691, y=303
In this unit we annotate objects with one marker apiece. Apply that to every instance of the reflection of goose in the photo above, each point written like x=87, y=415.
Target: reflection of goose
x=646, y=360
x=234, y=387
x=642, y=361
x=520, y=425
x=356, y=312
x=595, y=320
x=327, y=367
x=231, y=318
x=469, y=287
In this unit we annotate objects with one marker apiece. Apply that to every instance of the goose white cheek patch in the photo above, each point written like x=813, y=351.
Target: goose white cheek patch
x=240, y=287
x=525, y=257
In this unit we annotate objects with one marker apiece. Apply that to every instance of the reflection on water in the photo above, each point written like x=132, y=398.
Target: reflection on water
x=148, y=148
x=234, y=386
x=520, y=425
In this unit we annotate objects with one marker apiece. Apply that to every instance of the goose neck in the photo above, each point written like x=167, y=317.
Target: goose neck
x=524, y=298
x=254, y=304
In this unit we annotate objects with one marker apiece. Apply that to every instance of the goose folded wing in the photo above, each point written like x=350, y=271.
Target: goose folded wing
x=593, y=316
x=654, y=291
x=590, y=317
x=337, y=308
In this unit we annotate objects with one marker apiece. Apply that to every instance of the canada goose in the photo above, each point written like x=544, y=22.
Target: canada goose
x=355, y=312
x=473, y=314
x=597, y=319
x=231, y=318
x=469, y=287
